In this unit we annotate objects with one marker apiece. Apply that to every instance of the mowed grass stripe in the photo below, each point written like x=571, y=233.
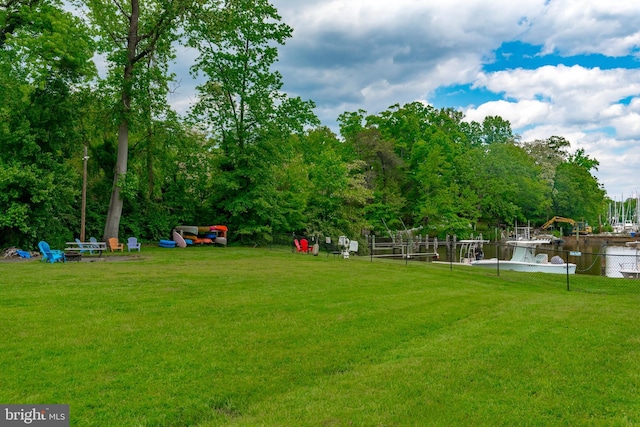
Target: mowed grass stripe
x=235, y=336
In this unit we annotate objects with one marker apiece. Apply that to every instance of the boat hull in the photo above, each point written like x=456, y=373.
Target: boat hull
x=630, y=274
x=526, y=267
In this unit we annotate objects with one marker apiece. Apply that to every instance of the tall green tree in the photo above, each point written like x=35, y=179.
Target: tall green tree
x=507, y=184
x=573, y=190
x=45, y=62
x=495, y=129
x=384, y=174
x=429, y=142
x=578, y=194
x=338, y=192
x=242, y=108
x=548, y=154
x=129, y=34
x=182, y=166
x=443, y=203
x=15, y=16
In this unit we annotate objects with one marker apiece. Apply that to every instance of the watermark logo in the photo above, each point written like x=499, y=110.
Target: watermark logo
x=34, y=415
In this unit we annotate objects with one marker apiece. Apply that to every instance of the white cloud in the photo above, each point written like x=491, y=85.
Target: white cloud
x=586, y=26
x=519, y=114
x=347, y=55
x=576, y=95
x=372, y=54
x=580, y=104
x=627, y=126
x=619, y=164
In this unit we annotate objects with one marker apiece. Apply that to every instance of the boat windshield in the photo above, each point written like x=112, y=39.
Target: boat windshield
x=523, y=254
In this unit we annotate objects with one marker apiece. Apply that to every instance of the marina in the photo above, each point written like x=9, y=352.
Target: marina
x=624, y=216
x=596, y=255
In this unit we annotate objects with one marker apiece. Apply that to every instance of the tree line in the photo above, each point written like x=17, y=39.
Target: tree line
x=246, y=154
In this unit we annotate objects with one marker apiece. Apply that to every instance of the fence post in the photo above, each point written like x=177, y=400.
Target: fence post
x=373, y=244
x=568, y=288
x=406, y=252
x=450, y=253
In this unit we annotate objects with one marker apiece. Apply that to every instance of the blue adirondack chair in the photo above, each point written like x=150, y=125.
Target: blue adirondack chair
x=23, y=254
x=84, y=247
x=94, y=242
x=50, y=255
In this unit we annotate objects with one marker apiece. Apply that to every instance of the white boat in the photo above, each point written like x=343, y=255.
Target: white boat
x=553, y=239
x=632, y=270
x=524, y=259
x=625, y=227
x=471, y=250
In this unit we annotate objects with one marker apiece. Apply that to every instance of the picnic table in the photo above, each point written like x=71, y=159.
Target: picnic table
x=81, y=247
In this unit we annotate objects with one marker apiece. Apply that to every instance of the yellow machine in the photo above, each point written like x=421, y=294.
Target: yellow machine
x=579, y=227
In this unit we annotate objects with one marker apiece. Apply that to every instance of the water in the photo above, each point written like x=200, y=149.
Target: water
x=592, y=257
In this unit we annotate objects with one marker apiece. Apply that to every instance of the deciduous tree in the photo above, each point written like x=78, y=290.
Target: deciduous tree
x=129, y=33
x=45, y=61
x=242, y=108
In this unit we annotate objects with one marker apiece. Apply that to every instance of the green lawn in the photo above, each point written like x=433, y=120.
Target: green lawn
x=238, y=336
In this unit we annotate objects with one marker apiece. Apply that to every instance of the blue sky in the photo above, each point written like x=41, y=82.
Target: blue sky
x=551, y=67
x=567, y=68
x=516, y=54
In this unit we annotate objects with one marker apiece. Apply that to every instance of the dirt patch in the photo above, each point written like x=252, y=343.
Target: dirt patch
x=11, y=256
x=108, y=258
x=18, y=259
x=14, y=254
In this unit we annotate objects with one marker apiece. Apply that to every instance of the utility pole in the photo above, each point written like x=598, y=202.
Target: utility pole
x=84, y=194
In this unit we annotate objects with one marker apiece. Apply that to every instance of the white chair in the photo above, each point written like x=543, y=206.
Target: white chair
x=132, y=243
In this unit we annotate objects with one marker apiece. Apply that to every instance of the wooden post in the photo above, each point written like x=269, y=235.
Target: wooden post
x=84, y=195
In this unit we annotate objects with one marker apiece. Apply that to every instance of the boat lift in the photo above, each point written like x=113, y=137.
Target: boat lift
x=408, y=248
